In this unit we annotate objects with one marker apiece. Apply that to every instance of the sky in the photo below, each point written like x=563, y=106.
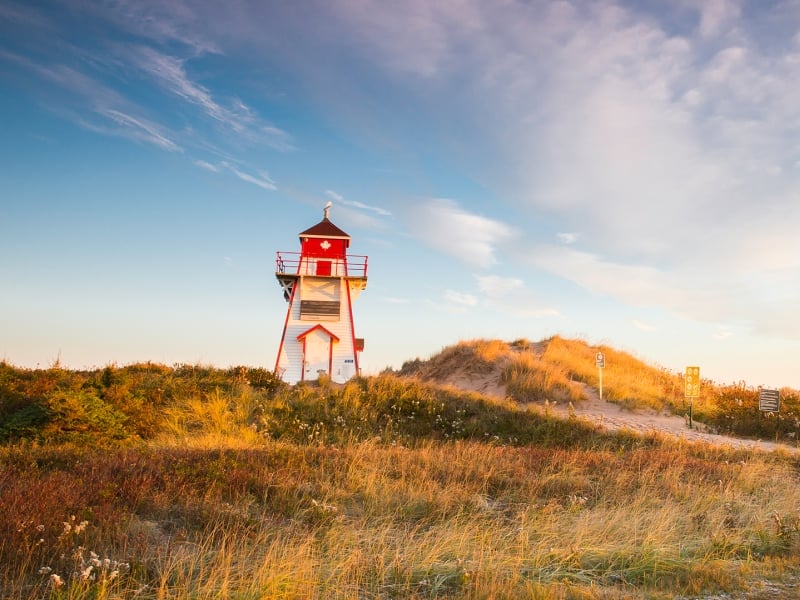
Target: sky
x=626, y=173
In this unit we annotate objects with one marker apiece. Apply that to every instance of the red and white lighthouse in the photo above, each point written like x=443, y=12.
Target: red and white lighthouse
x=320, y=283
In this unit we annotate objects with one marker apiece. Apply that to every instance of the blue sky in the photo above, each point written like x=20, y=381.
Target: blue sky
x=627, y=173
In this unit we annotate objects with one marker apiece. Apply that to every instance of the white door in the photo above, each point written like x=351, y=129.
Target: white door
x=318, y=353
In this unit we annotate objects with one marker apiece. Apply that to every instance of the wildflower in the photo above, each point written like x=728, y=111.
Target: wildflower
x=81, y=526
x=40, y=528
x=113, y=575
x=87, y=573
x=45, y=571
x=56, y=580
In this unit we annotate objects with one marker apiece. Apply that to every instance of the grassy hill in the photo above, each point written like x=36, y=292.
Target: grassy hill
x=560, y=369
x=149, y=481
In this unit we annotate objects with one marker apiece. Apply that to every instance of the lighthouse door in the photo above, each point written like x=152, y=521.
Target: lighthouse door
x=317, y=355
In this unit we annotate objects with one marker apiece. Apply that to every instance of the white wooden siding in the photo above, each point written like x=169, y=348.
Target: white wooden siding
x=290, y=362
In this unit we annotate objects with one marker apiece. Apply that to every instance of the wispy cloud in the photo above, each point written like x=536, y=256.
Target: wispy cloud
x=567, y=238
x=170, y=73
x=138, y=128
x=393, y=300
x=494, y=285
x=94, y=106
x=165, y=23
x=23, y=15
x=460, y=298
x=641, y=325
x=722, y=333
x=509, y=296
x=444, y=225
x=262, y=179
x=207, y=166
x=360, y=205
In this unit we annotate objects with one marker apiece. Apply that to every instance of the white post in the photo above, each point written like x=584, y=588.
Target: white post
x=601, y=382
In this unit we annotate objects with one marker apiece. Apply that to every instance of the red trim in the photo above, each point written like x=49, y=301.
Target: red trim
x=352, y=328
x=285, y=325
x=303, y=362
x=333, y=336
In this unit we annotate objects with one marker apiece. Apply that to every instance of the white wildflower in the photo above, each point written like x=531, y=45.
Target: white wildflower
x=81, y=526
x=56, y=580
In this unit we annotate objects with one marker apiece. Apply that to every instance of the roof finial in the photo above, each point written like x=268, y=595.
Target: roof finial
x=327, y=209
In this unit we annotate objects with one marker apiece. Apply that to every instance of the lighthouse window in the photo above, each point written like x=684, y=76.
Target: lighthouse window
x=320, y=310
x=324, y=268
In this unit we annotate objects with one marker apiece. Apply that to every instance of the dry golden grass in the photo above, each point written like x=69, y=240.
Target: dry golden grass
x=367, y=520
x=626, y=379
x=390, y=488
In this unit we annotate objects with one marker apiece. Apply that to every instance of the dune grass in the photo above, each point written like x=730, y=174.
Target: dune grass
x=190, y=482
x=441, y=520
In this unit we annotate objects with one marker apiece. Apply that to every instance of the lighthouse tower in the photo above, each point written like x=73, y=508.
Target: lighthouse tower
x=320, y=283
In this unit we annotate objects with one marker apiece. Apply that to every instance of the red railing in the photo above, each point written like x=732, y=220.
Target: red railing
x=295, y=263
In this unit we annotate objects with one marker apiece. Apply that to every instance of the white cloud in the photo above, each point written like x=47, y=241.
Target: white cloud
x=447, y=307
x=333, y=195
x=722, y=333
x=534, y=313
x=567, y=238
x=207, y=166
x=460, y=298
x=360, y=205
x=138, y=128
x=765, y=302
x=170, y=73
x=715, y=15
x=95, y=106
x=262, y=180
x=494, y=285
x=643, y=326
x=445, y=226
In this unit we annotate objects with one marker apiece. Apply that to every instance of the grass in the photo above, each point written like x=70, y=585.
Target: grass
x=236, y=486
x=447, y=520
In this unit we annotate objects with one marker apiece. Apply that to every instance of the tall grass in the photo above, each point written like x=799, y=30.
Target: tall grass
x=529, y=378
x=626, y=379
x=446, y=520
x=385, y=487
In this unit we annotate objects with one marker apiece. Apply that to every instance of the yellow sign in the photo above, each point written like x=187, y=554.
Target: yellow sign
x=692, y=381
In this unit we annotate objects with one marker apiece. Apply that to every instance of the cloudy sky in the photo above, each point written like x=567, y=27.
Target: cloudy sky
x=623, y=172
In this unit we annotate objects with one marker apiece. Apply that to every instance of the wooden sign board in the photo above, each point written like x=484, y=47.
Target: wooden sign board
x=769, y=400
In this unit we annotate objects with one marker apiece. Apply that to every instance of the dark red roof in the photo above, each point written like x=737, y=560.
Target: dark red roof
x=324, y=229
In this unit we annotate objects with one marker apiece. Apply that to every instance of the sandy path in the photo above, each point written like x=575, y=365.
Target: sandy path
x=614, y=417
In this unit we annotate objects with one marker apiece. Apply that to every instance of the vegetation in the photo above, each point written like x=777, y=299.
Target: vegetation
x=149, y=481
x=558, y=369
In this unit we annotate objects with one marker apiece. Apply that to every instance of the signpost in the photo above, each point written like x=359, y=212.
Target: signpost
x=600, y=361
x=692, y=388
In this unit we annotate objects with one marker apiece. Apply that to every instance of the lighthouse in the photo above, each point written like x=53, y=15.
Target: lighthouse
x=320, y=283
